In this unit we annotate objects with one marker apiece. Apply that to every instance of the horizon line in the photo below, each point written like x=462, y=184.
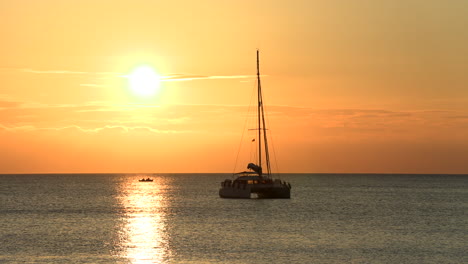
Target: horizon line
x=281, y=173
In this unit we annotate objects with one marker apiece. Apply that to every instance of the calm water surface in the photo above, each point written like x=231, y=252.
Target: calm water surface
x=178, y=218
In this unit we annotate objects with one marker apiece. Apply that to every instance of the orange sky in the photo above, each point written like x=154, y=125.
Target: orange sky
x=350, y=86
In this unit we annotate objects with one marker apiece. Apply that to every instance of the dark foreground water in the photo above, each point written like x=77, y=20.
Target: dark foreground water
x=178, y=218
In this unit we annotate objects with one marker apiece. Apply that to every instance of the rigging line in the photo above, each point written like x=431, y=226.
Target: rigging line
x=267, y=152
x=262, y=112
x=243, y=129
x=274, y=155
x=259, y=108
x=253, y=151
x=253, y=154
x=267, y=118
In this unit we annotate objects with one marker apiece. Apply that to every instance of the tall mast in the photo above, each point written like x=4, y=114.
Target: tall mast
x=262, y=124
x=259, y=99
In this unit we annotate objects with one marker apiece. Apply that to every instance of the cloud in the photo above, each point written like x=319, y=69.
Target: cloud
x=187, y=77
x=96, y=116
x=28, y=70
x=121, y=128
x=53, y=71
x=170, y=77
x=105, y=75
x=9, y=104
x=17, y=128
x=37, y=106
x=92, y=85
x=462, y=117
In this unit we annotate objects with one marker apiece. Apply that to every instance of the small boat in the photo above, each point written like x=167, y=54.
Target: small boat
x=145, y=180
x=256, y=182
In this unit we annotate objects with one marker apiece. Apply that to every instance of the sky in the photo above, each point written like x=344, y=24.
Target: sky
x=359, y=86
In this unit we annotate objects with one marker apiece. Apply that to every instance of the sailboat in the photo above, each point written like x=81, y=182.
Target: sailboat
x=257, y=181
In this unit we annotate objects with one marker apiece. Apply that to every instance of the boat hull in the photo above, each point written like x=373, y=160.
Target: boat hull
x=233, y=192
x=274, y=193
x=262, y=192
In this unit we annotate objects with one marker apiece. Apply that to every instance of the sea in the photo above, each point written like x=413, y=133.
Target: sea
x=179, y=218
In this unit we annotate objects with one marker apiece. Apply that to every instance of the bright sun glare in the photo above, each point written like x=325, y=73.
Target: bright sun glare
x=144, y=81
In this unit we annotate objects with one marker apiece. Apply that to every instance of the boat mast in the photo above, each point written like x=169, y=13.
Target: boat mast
x=259, y=99
x=261, y=117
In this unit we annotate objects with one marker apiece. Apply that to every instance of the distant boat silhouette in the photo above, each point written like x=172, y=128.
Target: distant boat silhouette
x=145, y=180
x=256, y=180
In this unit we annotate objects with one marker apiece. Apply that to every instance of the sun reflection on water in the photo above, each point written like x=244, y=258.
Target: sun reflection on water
x=144, y=237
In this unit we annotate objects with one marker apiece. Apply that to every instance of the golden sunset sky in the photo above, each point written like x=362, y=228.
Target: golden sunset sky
x=350, y=86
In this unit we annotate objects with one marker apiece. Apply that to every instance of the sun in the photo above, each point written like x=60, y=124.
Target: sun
x=144, y=81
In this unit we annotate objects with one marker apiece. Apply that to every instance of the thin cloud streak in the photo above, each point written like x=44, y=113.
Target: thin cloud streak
x=95, y=116
x=92, y=85
x=125, y=129
x=182, y=77
x=4, y=104
x=92, y=106
x=29, y=70
x=52, y=71
x=293, y=111
x=163, y=78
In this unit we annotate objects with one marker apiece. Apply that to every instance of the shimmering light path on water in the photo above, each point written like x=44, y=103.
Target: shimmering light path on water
x=144, y=238
x=179, y=218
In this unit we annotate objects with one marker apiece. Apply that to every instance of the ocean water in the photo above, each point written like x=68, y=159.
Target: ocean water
x=179, y=218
